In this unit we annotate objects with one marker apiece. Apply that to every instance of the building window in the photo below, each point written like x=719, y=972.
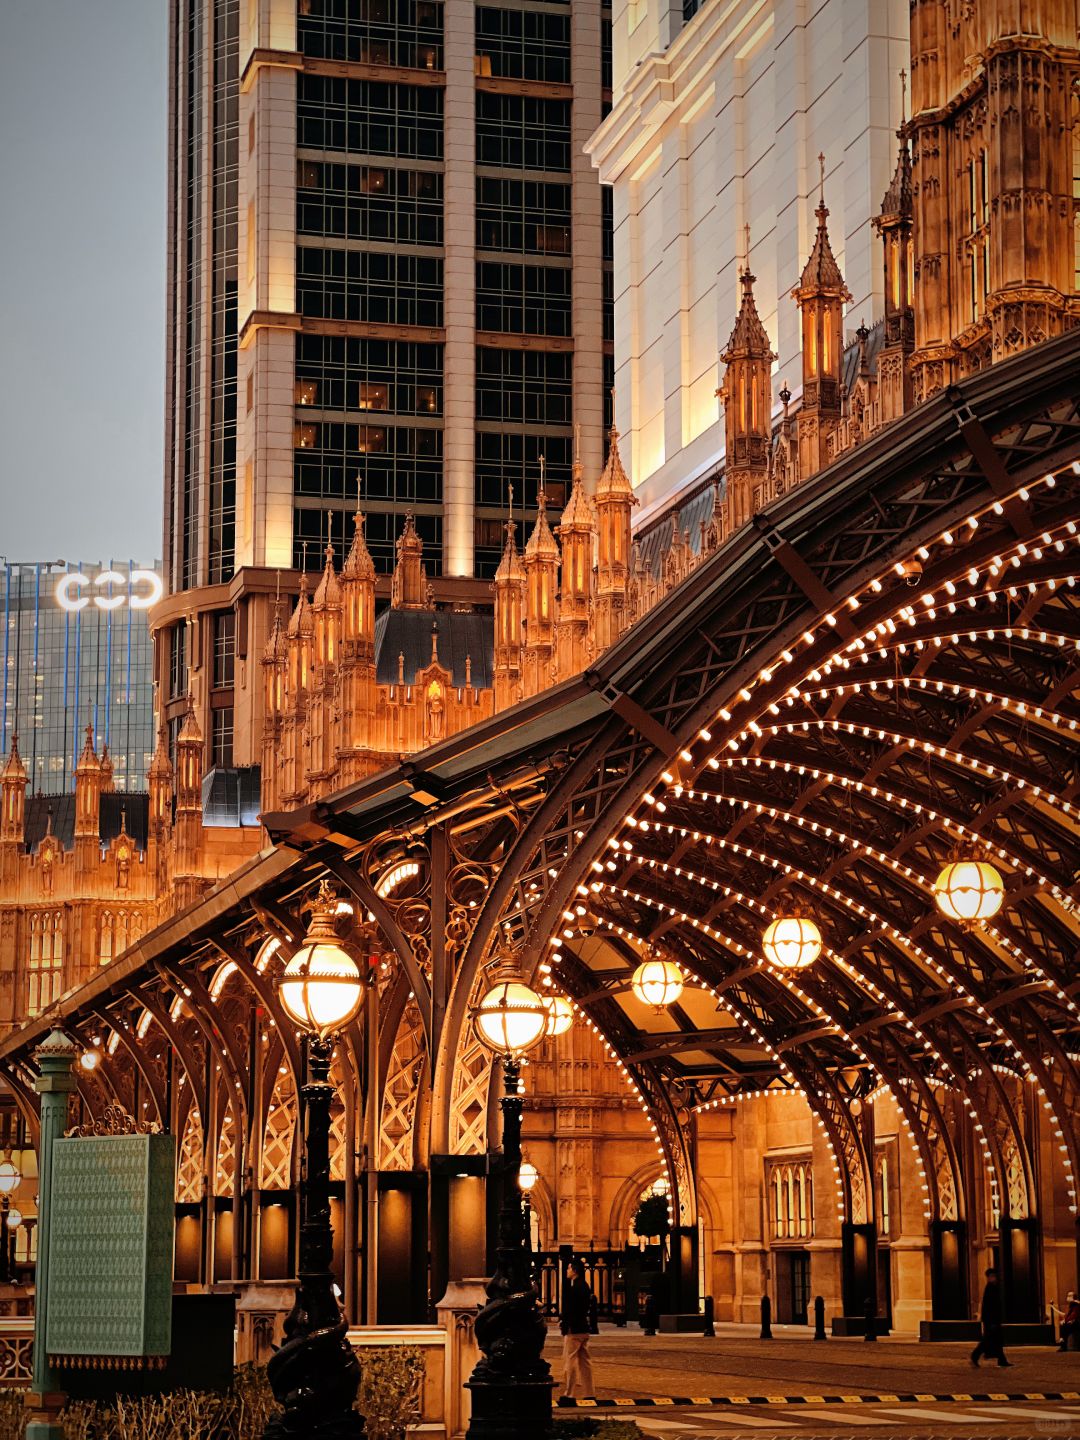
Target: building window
x=384, y=522
x=394, y=462
x=370, y=286
x=368, y=117
x=501, y=454
x=338, y=374
x=522, y=132
x=367, y=202
x=178, y=661
x=116, y=931
x=404, y=33
x=524, y=44
x=524, y=386
x=221, y=736
x=46, y=966
x=523, y=299
x=224, y=649
x=520, y=216
x=791, y=1193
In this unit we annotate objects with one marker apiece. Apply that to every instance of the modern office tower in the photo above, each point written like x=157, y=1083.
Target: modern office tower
x=388, y=281
x=77, y=651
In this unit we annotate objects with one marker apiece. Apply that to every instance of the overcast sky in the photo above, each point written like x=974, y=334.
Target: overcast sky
x=82, y=277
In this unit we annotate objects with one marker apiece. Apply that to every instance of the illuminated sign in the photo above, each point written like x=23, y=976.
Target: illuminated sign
x=108, y=590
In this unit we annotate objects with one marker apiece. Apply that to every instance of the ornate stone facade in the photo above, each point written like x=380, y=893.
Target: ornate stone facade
x=82, y=877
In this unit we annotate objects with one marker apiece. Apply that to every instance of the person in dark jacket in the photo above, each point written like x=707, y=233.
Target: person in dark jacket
x=574, y=1322
x=990, y=1343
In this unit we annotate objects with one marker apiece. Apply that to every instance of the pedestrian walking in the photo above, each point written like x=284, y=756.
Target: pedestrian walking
x=577, y=1305
x=990, y=1318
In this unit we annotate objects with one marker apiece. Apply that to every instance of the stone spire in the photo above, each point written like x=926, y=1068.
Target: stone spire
x=13, y=797
x=895, y=225
x=408, y=586
x=747, y=398
x=159, y=779
x=615, y=499
x=358, y=582
x=821, y=295
x=509, y=587
x=577, y=534
x=299, y=637
x=326, y=612
x=541, y=591
x=88, y=786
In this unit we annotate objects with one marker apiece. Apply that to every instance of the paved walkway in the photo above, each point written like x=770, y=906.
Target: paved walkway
x=799, y=1389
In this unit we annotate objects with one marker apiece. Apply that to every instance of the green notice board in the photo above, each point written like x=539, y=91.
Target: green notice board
x=111, y=1246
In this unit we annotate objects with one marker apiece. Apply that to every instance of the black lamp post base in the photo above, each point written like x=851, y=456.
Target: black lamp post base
x=314, y=1378
x=519, y=1410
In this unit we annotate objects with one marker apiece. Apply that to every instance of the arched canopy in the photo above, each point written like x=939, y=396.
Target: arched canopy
x=879, y=671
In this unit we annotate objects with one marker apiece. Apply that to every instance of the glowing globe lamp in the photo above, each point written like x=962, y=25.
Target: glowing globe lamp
x=528, y=1175
x=14, y=1219
x=560, y=1014
x=511, y=1018
x=657, y=983
x=10, y=1177
x=969, y=891
x=321, y=987
x=792, y=942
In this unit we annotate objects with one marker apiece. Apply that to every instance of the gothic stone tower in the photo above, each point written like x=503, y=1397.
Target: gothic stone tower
x=992, y=124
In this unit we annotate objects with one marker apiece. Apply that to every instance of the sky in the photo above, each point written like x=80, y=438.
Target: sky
x=83, y=113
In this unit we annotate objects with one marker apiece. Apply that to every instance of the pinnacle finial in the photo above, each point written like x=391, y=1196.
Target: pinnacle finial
x=821, y=163
x=577, y=442
x=903, y=98
x=329, y=537
x=542, y=496
x=746, y=251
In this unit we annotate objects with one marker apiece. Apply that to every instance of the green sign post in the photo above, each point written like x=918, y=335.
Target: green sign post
x=55, y=1058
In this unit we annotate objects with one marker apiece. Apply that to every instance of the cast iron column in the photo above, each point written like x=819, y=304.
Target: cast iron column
x=315, y=1374
x=511, y=1385
x=55, y=1083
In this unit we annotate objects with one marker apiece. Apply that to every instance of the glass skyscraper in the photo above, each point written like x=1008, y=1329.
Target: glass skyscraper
x=390, y=274
x=77, y=651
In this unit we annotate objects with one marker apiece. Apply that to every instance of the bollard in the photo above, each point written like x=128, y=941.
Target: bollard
x=652, y=1312
x=870, y=1311
x=819, y=1319
x=766, y=1318
x=710, y=1329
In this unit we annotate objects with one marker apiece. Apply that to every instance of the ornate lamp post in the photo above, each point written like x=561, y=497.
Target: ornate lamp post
x=511, y=1384
x=10, y=1180
x=315, y=1374
x=12, y=1220
x=527, y=1178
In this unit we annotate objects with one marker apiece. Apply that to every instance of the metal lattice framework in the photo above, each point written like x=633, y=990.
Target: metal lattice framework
x=882, y=667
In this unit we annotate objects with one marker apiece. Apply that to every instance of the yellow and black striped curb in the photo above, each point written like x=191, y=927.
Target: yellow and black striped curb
x=646, y=1402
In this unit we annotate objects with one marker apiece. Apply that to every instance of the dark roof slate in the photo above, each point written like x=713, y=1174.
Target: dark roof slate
x=118, y=808
x=460, y=635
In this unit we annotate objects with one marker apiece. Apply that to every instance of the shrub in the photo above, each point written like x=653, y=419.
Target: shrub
x=589, y=1429
x=392, y=1378
x=651, y=1217
x=12, y=1415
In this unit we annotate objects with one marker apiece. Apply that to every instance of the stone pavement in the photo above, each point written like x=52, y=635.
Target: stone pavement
x=799, y=1389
